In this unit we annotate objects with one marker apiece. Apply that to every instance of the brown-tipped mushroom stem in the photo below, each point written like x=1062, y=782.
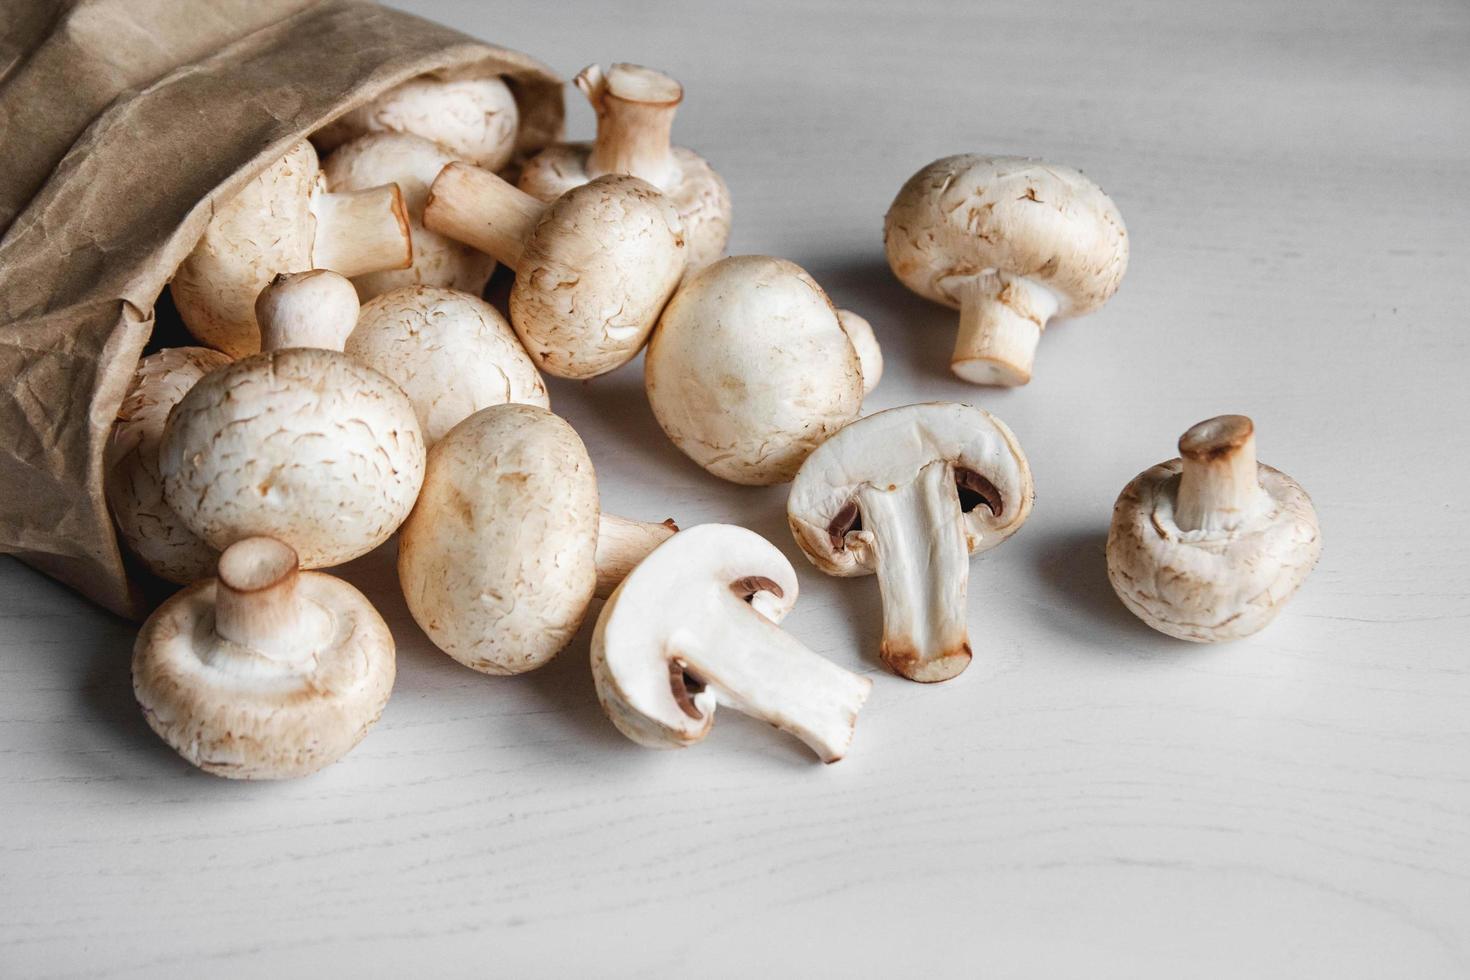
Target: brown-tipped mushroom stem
x=361, y=231
x=1219, y=486
x=307, y=309
x=260, y=610
x=476, y=207
x=621, y=544
x=1001, y=319
x=635, y=109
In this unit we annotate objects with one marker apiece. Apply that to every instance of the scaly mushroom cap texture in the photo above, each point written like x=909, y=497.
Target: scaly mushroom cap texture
x=411, y=162
x=971, y=215
x=307, y=446
x=497, y=560
x=750, y=369
x=134, y=487
x=233, y=714
x=598, y=269
x=1209, y=586
x=451, y=353
x=475, y=118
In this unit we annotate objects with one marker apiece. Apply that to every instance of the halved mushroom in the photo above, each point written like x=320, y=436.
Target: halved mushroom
x=472, y=115
x=911, y=494
x=134, y=487
x=751, y=368
x=302, y=444
x=451, y=353
x=593, y=269
x=505, y=549
x=1010, y=243
x=266, y=672
x=635, y=109
x=694, y=626
x=1210, y=546
x=283, y=221
x=412, y=163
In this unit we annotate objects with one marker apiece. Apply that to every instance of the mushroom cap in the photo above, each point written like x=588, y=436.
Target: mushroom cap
x=1209, y=586
x=133, y=485
x=497, y=559
x=692, y=574
x=266, y=724
x=971, y=215
x=595, y=274
x=303, y=445
x=888, y=449
x=412, y=163
x=451, y=353
x=750, y=369
x=475, y=118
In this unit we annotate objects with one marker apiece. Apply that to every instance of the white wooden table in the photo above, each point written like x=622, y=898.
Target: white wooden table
x=1091, y=798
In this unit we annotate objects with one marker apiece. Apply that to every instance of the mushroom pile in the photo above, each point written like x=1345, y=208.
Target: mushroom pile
x=354, y=383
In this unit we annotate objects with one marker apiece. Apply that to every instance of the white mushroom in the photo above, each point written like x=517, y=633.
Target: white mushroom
x=302, y=444
x=593, y=269
x=283, y=221
x=694, y=626
x=1210, y=546
x=865, y=342
x=451, y=353
x=911, y=494
x=265, y=672
x=503, y=551
x=475, y=118
x=751, y=368
x=411, y=162
x=134, y=487
x=1010, y=243
x=635, y=109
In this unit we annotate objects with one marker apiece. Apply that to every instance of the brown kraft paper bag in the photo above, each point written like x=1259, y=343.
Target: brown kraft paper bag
x=122, y=122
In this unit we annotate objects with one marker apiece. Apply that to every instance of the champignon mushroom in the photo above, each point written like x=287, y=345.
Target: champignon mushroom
x=283, y=221
x=134, y=487
x=1210, y=546
x=474, y=117
x=870, y=356
x=694, y=626
x=298, y=443
x=635, y=109
x=451, y=353
x=751, y=368
x=411, y=162
x=593, y=269
x=503, y=551
x=1010, y=243
x=266, y=672
x=911, y=493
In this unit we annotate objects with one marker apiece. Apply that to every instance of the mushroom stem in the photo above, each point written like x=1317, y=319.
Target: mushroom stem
x=621, y=544
x=1001, y=319
x=635, y=109
x=480, y=209
x=870, y=356
x=361, y=231
x=307, y=309
x=258, y=607
x=1219, y=487
x=917, y=532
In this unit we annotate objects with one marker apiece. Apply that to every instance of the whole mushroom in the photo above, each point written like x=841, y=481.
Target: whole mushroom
x=505, y=548
x=133, y=484
x=265, y=672
x=1210, y=546
x=635, y=109
x=695, y=626
x=751, y=368
x=1010, y=243
x=912, y=493
x=412, y=163
x=283, y=221
x=300, y=443
x=451, y=353
x=593, y=268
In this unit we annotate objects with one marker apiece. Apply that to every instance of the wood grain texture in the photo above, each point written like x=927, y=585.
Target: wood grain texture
x=1091, y=798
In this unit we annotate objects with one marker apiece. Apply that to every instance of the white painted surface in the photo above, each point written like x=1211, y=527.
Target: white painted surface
x=1090, y=799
